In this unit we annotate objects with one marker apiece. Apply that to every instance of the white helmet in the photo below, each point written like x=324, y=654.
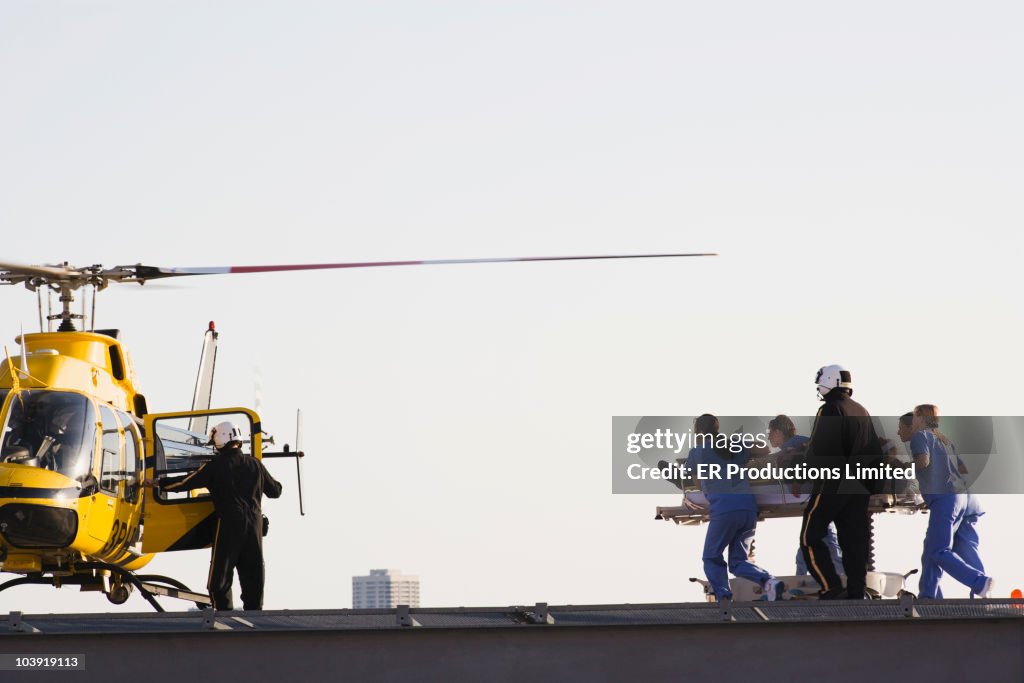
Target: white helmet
x=832, y=376
x=224, y=433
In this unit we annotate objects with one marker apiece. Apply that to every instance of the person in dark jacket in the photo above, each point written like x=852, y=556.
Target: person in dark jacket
x=843, y=434
x=237, y=482
x=782, y=435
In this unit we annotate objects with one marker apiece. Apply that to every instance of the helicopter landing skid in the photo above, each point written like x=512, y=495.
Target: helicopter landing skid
x=173, y=589
x=148, y=585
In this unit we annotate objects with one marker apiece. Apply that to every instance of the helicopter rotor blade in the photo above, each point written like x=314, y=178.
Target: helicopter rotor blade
x=9, y=271
x=69, y=278
x=142, y=273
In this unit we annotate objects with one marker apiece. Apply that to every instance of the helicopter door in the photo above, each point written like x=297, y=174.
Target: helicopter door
x=185, y=520
x=106, y=502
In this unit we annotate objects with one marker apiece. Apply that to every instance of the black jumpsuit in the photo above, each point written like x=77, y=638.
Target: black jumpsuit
x=237, y=483
x=843, y=434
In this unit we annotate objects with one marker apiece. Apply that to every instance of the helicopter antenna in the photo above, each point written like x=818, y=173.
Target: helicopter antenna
x=39, y=303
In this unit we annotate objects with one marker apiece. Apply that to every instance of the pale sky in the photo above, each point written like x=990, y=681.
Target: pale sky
x=858, y=169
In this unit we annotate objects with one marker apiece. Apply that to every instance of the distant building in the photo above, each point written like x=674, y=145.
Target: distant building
x=384, y=589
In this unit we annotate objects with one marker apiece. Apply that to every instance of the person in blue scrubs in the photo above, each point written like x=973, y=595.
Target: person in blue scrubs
x=951, y=542
x=733, y=516
x=906, y=433
x=782, y=435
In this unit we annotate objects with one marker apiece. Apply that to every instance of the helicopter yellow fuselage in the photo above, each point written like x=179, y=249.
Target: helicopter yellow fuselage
x=49, y=520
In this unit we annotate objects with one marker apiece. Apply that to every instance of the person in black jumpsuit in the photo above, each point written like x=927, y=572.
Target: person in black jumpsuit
x=237, y=483
x=843, y=433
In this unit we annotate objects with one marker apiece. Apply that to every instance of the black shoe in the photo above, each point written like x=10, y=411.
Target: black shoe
x=834, y=594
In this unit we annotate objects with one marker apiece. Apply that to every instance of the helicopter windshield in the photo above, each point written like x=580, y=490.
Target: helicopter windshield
x=54, y=430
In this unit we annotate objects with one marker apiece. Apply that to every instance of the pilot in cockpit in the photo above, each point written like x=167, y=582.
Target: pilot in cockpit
x=63, y=438
x=48, y=431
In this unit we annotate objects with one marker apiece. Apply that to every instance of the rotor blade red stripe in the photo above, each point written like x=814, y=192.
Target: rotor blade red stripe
x=320, y=266
x=428, y=262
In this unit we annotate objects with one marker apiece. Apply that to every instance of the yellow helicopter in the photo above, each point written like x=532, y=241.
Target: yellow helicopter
x=77, y=440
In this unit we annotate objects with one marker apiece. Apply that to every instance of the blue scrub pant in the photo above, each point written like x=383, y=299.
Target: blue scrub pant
x=833, y=550
x=733, y=530
x=951, y=544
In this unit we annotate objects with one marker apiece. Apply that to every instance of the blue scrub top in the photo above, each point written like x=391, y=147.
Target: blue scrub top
x=727, y=494
x=941, y=477
x=796, y=442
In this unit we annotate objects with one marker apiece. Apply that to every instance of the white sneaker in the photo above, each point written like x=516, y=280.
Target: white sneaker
x=986, y=590
x=773, y=589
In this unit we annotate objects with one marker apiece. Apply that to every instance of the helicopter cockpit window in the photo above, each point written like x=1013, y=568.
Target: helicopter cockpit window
x=54, y=430
x=182, y=450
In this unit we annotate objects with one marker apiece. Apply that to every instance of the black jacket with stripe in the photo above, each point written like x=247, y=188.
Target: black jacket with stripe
x=843, y=435
x=237, y=483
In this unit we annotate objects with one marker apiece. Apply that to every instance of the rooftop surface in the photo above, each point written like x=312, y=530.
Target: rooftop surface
x=523, y=617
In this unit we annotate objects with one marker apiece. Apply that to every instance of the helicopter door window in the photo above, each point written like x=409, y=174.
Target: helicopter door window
x=52, y=430
x=183, y=451
x=110, y=463
x=132, y=462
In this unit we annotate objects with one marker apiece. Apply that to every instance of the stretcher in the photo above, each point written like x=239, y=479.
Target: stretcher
x=775, y=500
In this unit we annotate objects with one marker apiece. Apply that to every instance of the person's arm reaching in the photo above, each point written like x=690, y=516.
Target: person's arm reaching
x=271, y=486
x=196, y=480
